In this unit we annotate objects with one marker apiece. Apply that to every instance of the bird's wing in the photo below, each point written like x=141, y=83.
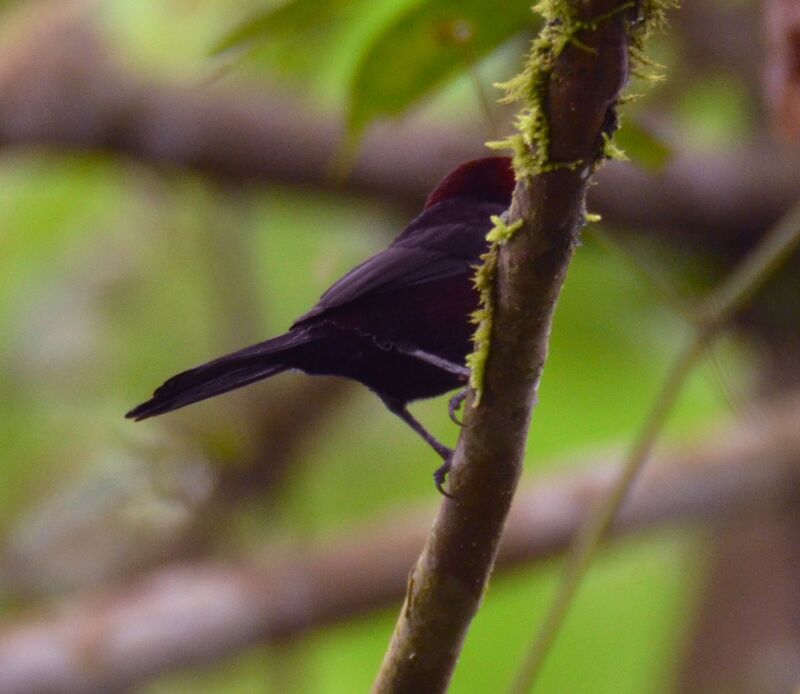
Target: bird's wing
x=444, y=241
x=396, y=267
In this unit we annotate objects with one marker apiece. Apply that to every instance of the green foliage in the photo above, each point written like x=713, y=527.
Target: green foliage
x=714, y=111
x=431, y=43
x=394, y=54
x=621, y=637
x=165, y=40
x=642, y=146
x=317, y=42
x=298, y=23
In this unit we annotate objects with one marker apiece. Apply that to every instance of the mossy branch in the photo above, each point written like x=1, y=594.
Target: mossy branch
x=533, y=155
x=568, y=91
x=500, y=234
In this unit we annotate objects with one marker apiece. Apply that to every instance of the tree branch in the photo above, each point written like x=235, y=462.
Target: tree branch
x=198, y=613
x=574, y=97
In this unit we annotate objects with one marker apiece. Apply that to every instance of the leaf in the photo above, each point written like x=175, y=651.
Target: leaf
x=303, y=20
x=317, y=42
x=427, y=45
x=642, y=146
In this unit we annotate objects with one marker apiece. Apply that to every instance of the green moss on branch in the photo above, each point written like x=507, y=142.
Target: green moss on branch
x=530, y=144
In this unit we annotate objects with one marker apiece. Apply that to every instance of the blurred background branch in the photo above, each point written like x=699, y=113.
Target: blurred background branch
x=63, y=89
x=188, y=614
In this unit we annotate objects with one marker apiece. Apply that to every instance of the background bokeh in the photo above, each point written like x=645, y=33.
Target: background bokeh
x=120, y=266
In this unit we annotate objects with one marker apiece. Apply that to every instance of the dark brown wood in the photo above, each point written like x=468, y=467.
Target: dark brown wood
x=450, y=577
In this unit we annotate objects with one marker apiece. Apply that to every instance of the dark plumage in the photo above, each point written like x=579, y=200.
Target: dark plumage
x=399, y=322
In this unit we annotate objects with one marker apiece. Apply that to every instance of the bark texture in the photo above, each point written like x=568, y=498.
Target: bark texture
x=577, y=99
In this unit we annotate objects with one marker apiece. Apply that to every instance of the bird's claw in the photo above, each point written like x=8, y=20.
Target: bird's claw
x=440, y=477
x=455, y=403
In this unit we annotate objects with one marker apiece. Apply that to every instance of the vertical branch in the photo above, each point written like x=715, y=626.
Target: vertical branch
x=569, y=91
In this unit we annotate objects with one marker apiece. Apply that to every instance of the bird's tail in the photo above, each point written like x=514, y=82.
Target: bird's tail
x=221, y=375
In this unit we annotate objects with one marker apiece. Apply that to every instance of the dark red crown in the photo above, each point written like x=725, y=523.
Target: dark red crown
x=490, y=179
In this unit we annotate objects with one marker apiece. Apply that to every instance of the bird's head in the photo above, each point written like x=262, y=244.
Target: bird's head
x=490, y=179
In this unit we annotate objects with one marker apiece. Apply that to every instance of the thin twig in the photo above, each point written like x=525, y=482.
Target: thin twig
x=757, y=267
x=677, y=301
x=645, y=270
x=720, y=306
x=591, y=532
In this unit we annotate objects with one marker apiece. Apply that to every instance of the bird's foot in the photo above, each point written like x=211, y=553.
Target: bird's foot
x=453, y=406
x=446, y=454
x=440, y=476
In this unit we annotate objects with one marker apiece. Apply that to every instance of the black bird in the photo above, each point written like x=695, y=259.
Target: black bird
x=399, y=322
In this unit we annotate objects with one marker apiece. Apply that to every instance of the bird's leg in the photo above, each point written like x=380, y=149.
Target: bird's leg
x=433, y=359
x=454, y=405
x=440, y=475
x=462, y=372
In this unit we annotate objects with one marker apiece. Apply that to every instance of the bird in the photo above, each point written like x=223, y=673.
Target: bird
x=400, y=323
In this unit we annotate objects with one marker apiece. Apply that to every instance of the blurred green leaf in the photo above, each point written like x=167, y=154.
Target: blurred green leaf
x=301, y=19
x=642, y=146
x=424, y=47
x=316, y=42
x=714, y=111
